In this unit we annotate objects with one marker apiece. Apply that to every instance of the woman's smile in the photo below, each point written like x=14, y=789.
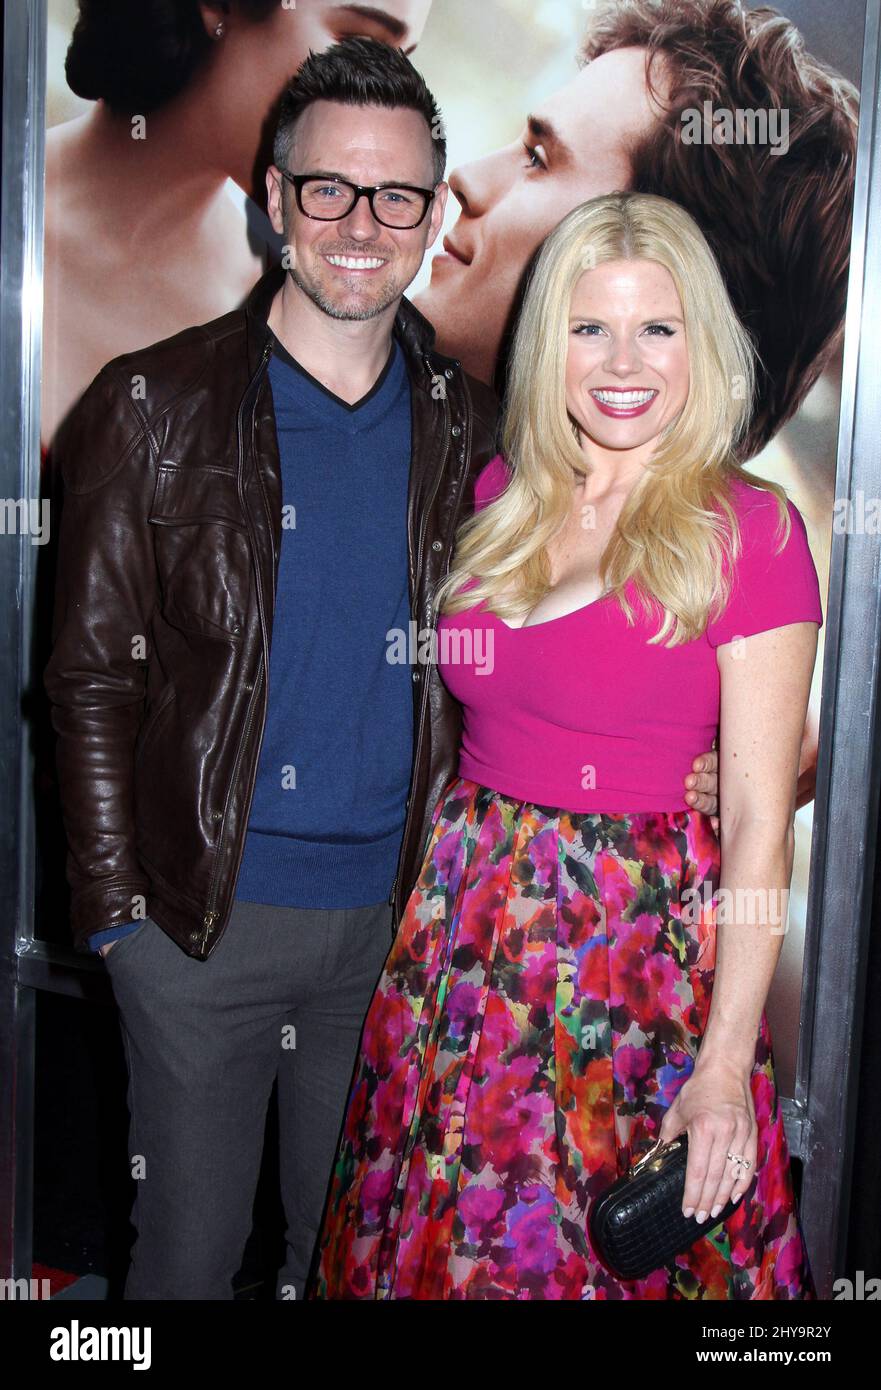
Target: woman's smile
x=623, y=404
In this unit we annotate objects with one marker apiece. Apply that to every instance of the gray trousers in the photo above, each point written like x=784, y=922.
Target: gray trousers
x=283, y=996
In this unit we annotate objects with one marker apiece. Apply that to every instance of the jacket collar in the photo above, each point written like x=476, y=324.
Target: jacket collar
x=413, y=329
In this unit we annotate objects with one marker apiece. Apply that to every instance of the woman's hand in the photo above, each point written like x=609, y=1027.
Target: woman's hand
x=715, y=1106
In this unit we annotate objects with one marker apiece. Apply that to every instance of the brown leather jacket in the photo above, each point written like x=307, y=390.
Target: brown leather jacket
x=168, y=560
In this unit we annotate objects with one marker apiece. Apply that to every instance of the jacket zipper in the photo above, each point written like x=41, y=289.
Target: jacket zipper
x=422, y=529
x=211, y=915
x=423, y=521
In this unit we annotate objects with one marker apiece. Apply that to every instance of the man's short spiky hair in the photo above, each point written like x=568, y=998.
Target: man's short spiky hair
x=359, y=72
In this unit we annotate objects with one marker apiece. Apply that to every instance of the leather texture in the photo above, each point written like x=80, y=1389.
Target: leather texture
x=637, y=1225
x=167, y=569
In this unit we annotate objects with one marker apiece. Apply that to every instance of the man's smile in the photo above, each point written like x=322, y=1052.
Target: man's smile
x=361, y=263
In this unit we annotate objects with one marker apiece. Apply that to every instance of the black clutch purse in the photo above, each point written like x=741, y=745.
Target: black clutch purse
x=636, y=1225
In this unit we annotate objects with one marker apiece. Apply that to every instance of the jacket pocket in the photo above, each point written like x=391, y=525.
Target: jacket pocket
x=196, y=495
x=203, y=555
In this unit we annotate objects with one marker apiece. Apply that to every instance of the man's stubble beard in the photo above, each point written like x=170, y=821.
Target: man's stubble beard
x=348, y=312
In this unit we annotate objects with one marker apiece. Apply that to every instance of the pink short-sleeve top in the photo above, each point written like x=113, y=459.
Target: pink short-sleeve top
x=580, y=713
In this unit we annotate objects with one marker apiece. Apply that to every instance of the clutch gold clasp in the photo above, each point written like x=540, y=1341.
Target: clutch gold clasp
x=653, y=1158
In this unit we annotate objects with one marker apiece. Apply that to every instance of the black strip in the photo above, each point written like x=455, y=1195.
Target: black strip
x=281, y=351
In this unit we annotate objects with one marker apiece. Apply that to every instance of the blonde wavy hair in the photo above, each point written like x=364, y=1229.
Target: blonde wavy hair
x=678, y=521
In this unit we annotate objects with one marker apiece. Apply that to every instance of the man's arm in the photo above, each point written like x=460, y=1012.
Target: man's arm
x=105, y=595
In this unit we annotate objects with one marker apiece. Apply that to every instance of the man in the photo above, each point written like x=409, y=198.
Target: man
x=279, y=498
x=777, y=215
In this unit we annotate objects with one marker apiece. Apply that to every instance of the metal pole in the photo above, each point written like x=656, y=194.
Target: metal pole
x=846, y=819
x=21, y=280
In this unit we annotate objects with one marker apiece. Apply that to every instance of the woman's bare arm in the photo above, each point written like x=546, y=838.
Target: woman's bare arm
x=765, y=688
x=765, y=682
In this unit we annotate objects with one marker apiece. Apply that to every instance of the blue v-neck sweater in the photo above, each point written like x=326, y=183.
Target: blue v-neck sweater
x=328, y=812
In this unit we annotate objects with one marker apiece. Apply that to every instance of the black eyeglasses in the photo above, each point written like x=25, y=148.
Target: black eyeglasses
x=328, y=199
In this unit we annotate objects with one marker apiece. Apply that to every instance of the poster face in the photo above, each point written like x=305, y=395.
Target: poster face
x=156, y=148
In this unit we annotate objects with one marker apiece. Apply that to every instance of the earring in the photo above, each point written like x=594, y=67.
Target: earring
x=218, y=32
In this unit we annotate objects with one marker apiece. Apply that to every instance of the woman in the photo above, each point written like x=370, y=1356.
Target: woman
x=582, y=967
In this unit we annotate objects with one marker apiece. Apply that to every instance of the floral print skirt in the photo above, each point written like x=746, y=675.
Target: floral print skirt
x=539, y=1010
